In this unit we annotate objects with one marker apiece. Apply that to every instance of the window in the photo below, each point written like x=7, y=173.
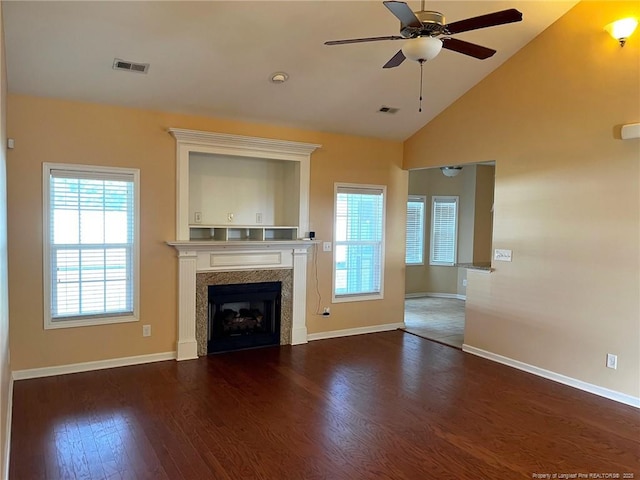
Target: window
x=415, y=230
x=90, y=245
x=444, y=230
x=359, y=238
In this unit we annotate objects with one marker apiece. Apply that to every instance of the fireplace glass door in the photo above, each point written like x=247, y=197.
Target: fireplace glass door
x=244, y=315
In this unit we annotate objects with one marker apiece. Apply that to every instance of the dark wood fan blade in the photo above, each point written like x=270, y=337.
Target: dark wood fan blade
x=467, y=48
x=483, y=21
x=396, y=60
x=402, y=11
x=360, y=40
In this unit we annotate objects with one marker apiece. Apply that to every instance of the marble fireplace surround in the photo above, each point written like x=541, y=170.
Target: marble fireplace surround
x=204, y=279
x=238, y=262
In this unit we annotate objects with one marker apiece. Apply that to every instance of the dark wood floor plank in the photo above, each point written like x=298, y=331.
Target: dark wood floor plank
x=387, y=406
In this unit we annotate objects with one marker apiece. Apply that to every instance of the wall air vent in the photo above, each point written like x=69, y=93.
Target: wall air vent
x=119, y=64
x=389, y=110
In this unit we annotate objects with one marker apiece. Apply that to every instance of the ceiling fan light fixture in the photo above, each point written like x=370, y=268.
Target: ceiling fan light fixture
x=422, y=49
x=450, y=171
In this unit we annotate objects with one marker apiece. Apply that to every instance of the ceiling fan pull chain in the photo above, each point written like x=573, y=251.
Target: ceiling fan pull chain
x=421, y=70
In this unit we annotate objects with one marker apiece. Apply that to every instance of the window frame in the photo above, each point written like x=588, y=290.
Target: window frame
x=434, y=199
x=96, y=319
x=358, y=297
x=422, y=199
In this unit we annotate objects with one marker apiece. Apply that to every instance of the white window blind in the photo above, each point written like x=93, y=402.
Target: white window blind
x=415, y=231
x=92, y=244
x=444, y=230
x=359, y=227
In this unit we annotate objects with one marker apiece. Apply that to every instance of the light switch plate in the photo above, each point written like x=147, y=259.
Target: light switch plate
x=502, y=255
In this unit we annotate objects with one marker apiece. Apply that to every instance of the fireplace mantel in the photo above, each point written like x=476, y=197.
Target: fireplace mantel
x=199, y=257
x=241, y=245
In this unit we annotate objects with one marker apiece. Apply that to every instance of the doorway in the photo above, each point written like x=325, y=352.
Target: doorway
x=436, y=283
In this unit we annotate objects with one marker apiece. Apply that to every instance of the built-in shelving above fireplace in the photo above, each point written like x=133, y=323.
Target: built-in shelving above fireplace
x=232, y=187
x=225, y=233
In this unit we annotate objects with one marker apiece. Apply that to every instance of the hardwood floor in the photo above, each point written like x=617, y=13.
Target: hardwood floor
x=380, y=406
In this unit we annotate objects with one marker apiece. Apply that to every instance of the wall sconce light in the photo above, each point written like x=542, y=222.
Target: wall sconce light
x=450, y=171
x=622, y=29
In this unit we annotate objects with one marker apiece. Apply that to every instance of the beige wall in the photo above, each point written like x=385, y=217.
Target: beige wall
x=566, y=198
x=483, y=222
x=466, y=211
x=5, y=368
x=60, y=131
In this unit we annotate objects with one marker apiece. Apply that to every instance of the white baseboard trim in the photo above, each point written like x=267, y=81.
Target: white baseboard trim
x=347, y=332
x=435, y=295
x=89, y=366
x=7, y=432
x=556, y=377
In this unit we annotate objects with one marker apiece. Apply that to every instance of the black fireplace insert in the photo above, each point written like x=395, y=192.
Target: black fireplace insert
x=243, y=315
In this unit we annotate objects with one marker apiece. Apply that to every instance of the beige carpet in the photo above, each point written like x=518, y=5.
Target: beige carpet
x=438, y=319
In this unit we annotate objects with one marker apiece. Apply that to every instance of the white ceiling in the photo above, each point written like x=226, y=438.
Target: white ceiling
x=215, y=58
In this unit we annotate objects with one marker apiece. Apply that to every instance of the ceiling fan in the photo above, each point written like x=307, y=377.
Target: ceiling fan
x=422, y=29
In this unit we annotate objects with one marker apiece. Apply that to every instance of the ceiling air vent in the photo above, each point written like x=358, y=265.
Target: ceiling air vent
x=119, y=64
x=389, y=110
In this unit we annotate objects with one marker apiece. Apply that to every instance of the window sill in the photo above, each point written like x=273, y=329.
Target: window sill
x=357, y=298
x=51, y=324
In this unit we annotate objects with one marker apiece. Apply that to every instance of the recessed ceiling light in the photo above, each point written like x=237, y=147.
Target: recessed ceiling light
x=279, y=77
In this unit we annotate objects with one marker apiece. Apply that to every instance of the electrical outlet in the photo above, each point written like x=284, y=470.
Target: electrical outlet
x=326, y=246
x=146, y=330
x=197, y=217
x=612, y=361
x=230, y=217
x=258, y=218
x=326, y=311
x=464, y=282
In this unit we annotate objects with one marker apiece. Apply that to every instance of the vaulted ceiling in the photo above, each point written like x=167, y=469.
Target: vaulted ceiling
x=215, y=58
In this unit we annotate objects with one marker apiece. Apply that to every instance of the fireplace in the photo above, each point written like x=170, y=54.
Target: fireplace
x=245, y=315
x=202, y=264
x=262, y=257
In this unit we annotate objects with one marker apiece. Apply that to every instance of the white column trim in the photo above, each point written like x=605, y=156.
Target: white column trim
x=187, y=346
x=299, y=304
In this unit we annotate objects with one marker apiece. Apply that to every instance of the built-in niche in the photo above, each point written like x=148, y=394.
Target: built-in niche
x=234, y=188
x=242, y=198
